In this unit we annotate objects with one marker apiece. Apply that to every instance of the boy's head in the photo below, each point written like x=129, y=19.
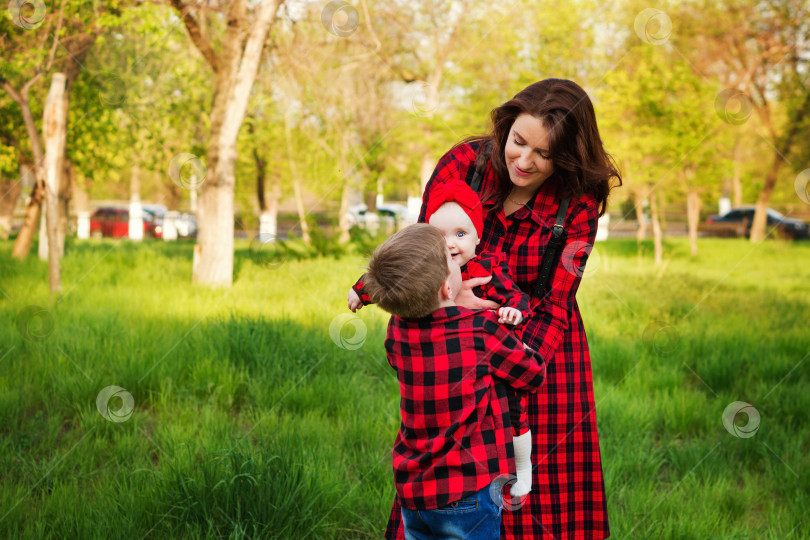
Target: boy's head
x=455, y=209
x=412, y=272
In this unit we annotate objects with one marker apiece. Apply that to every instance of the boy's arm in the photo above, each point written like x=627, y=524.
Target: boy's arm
x=503, y=290
x=509, y=359
x=361, y=292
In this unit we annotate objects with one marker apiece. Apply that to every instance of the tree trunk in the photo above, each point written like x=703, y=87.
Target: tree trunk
x=343, y=217
x=662, y=213
x=77, y=50
x=261, y=170
x=65, y=192
x=370, y=200
x=781, y=148
x=299, y=201
x=431, y=104
x=234, y=73
x=174, y=195
x=638, y=202
x=736, y=184
x=23, y=243
x=656, y=227
x=760, y=220
x=269, y=218
x=9, y=194
x=54, y=127
x=260, y=178
x=42, y=246
x=135, y=207
x=692, y=218
x=82, y=202
x=428, y=166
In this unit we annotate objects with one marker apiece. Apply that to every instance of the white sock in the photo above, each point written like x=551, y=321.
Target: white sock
x=523, y=464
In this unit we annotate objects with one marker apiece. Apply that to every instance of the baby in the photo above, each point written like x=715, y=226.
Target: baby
x=455, y=209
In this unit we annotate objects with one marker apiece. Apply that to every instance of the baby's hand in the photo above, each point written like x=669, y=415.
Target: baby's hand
x=354, y=301
x=509, y=315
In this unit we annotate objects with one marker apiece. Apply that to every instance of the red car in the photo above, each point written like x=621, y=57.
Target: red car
x=114, y=222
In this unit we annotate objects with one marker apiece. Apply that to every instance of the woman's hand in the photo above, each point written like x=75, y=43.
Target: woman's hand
x=467, y=299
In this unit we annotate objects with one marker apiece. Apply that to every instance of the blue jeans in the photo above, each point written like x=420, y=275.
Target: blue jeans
x=476, y=517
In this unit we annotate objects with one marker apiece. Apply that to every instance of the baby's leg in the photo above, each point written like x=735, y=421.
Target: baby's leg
x=522, y=441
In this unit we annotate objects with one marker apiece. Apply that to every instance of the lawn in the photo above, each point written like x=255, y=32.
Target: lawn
x=266, y=411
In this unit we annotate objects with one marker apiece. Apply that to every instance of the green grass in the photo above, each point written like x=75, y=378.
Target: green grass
x=250, y=422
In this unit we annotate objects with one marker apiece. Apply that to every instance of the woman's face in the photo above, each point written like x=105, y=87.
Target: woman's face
x=526, y=153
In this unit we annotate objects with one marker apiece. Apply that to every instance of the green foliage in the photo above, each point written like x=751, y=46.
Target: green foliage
x=8, y=161
x=365, y=242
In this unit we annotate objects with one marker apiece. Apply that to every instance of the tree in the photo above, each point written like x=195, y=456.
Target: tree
x=11, y=166
x=54, y=124
x=763, y=50
x=336, y=96
x=25, y=55
x=234, y=69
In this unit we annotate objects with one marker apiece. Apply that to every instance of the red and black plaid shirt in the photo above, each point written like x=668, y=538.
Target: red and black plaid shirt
x=567, y=501
x=500, y=288
x=453, y=440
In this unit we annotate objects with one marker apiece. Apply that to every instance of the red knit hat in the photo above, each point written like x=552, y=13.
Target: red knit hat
x=460, y=193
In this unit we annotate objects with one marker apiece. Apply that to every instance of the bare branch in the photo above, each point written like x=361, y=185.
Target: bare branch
x=56, y=36
x=196, y=34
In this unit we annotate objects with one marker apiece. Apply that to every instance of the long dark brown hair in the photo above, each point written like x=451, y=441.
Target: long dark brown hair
x=581, y=164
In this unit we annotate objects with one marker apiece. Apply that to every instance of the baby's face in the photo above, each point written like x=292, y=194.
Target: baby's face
x=458, y=230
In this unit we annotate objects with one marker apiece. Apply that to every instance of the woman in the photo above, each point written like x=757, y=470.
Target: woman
x=544, y=146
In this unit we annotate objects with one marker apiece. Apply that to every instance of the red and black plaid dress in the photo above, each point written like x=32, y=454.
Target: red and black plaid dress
x=567, y=500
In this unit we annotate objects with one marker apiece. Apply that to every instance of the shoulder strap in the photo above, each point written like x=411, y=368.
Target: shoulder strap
x=552, y=251
x=478, y=176
x=475, y=184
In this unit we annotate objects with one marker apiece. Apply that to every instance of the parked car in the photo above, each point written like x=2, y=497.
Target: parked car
x=114, y=222
x=185, y=224
x=392, y=211
x=789, y=227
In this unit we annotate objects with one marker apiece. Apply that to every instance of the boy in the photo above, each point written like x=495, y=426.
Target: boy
x=453, y=441
x=455, y=209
